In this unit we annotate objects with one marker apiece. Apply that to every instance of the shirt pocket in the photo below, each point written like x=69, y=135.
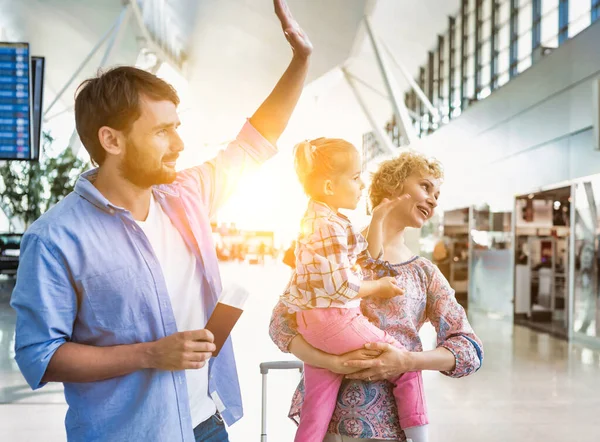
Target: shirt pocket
x=117, y=298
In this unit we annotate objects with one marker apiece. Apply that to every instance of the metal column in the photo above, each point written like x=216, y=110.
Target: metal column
x=478, y=44
x=86, y=60
x=441, y=104
x=536, y=25
x=494, y=46
x=463, y=51
x=382, y=137
x=451, y=64
x=400, y=112
x=563, y=21
x=514, y=38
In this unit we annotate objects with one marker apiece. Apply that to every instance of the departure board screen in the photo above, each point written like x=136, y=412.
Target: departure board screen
x=15, y=108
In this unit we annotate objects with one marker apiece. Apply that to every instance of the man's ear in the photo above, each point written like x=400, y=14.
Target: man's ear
x=328, y=187
x=111, y=140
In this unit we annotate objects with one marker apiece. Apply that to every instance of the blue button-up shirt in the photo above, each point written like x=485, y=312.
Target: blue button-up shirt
x=88, y=275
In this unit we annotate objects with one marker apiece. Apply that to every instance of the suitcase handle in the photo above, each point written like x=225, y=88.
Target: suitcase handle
x=281, y=365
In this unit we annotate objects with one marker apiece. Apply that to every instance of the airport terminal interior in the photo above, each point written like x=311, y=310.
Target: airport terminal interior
x=505, y=94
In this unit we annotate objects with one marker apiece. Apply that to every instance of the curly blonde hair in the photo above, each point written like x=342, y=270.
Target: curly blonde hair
x=392, y=174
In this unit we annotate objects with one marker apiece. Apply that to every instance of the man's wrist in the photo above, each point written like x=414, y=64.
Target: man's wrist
x=300, y=58
x=147, y=356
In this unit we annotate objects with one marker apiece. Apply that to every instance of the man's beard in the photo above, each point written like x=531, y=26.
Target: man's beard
x=141, y=169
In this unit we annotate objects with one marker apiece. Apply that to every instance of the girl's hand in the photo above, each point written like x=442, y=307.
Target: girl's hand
x=386, y=206
x=338, y=366
x=387, y=287
x=391, y=363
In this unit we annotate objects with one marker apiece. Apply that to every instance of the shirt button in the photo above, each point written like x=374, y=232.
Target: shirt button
x=111, y=211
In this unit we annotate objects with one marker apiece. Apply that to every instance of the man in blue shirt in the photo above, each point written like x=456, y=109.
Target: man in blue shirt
x=116, y=282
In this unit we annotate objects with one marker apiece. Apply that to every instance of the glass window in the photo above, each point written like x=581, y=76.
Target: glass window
x=504, y=37
x=456, y=57
x=550, y=28
x=504, y=12
x=470, y=66
x=485, y=53
x=457, y=33
x=486, y=30
x=524, y=46
x=503, y=79
x=485, y=77
x=525, y=17
x=549, y=5
x=470, y=90
x=471, y=34
x=457, y=73
x=524, y=65
x=503, y=61
x=579, y=16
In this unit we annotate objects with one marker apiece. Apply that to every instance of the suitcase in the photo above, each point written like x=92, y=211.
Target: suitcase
x=264, y=370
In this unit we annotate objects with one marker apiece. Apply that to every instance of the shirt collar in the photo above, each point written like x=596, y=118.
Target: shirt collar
x=322, y=209
x=85, y=188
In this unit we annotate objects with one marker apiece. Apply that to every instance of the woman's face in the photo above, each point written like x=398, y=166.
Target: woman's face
x=423, y=192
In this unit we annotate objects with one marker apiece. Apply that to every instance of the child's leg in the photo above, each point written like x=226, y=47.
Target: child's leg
x=321, y=390
x=410, y=399
x=339, y=331
x=417, y=434
x=353, y=333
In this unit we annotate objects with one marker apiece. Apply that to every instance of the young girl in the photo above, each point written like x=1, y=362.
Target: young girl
x=326, y=286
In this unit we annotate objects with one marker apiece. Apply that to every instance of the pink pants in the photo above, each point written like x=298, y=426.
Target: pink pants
x=338, y=331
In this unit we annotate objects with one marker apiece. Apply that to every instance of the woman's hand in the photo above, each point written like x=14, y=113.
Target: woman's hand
x=337, y=363
x=391, y=363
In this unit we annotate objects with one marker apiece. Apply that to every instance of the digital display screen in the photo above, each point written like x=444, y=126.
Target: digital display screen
x=38, y=65
x=15, y=108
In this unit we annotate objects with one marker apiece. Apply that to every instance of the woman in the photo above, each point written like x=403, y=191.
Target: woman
x=365, y=407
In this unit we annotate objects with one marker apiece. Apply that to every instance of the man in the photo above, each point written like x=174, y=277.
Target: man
x=117, y=281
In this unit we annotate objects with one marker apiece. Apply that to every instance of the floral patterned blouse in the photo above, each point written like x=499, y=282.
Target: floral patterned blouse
x=368, y=409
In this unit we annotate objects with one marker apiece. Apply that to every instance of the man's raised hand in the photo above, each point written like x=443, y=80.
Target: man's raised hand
x=294, y=34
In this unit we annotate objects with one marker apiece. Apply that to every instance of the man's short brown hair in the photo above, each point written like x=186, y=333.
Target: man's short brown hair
x=113, y=99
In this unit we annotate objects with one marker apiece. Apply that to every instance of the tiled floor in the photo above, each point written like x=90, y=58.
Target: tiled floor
x=532, y=387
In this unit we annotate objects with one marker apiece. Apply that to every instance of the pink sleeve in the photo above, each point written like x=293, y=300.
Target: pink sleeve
x=218, y=178
x=453, y=329
x=283, y=327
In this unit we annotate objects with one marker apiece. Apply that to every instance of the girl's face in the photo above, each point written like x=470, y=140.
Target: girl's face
x=424, y=192
x=345, y=190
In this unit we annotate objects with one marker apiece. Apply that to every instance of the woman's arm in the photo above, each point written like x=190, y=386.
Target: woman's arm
x=282, y=328
x=284, y=333
x=454, y=333
x=459, y=351
x=393, y=362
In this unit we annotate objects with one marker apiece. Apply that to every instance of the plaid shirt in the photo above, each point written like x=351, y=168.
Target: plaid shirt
x=327, y=273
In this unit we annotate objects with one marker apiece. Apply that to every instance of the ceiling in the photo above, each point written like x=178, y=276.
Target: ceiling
x=235, y=49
